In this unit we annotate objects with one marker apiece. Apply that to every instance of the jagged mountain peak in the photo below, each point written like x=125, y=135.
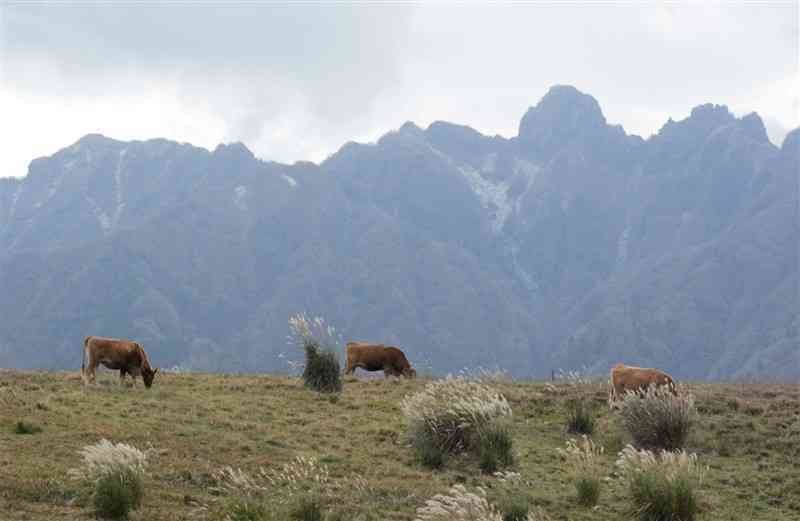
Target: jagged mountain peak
x=791, y=143
x=95, y=140
x=231, y=150
x=713, y=113
x=564, y=114
x=753, y=126
x=410, y=127
x=711, y=121
x=563, y=107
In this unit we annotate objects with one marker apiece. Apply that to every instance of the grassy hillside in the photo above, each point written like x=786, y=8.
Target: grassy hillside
x=749, y=436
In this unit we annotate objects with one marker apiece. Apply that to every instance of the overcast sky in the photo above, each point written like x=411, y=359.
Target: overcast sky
x=297, y=82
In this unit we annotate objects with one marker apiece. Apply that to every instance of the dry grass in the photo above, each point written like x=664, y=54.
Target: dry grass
x=199, y=424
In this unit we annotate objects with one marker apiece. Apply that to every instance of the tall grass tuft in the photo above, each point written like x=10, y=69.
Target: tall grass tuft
x=299, y=476
x=584, y=460
x=657, y=419
x=495, y=448
x=580, y=416
x=247, y=510
x=117, y=471
x=320, y=345
x=307, y=509
x=515, y=508
x=454, y=412
x=428, y=452
x=663, y=486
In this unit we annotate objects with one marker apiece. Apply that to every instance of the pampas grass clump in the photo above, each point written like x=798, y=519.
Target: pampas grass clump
x=454, y=412
x=320, y=344
x=105, y=457
x=459, y=504
x=117, y=471
x=657, y=419
x=584, y=460
x=663, y=486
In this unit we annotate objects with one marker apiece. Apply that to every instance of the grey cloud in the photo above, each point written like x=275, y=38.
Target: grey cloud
x=244, y=59
x=316, y=76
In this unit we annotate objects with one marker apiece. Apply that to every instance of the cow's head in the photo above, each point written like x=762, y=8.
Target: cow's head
x=409, y=372
x=148, y=375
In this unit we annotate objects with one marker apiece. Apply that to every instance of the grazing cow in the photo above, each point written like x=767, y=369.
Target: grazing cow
x=377, y=357
x=127, y=356
x=626, y=378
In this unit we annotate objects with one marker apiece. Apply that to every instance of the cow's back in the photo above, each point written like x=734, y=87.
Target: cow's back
x=627, y=378
x=114, y=351
x=370, y=356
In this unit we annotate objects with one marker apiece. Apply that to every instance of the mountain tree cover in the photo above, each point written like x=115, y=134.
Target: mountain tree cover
x=570, y=245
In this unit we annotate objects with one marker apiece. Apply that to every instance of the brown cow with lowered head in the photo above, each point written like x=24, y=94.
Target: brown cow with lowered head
x=127, y=356
x=377, y=357
x=626, y=378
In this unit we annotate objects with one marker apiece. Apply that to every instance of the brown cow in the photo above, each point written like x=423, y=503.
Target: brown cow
x=626, y=378
x=127, y=356
x=377, y=357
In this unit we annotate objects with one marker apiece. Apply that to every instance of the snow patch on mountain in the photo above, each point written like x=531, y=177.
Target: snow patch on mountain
x=15, y=199
x=289, y=179
x=120, y=204
x=493, y=196
x=531, y=172
x=240, y=198
x=101, y=215
x=489, y=162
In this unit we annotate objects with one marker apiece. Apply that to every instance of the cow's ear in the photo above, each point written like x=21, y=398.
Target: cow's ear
x=154, y=372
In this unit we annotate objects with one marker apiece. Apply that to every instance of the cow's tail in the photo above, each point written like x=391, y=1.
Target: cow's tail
x=613, y=396
x=84, y=352
x=672, y=386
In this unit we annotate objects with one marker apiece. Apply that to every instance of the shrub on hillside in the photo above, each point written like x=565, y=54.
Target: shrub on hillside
x=584, y=460
x=319, y=343
x=117, y=493
x=663, y=486
x=428, y=452
x=515, y=508
x=454, y=413
x=23, y=427
x=657, y=419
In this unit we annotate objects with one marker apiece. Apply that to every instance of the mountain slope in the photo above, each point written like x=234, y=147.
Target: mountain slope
x=572, y=244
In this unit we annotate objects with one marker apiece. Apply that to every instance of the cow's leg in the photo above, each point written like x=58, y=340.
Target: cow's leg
x=121, y=377
x=90, y=369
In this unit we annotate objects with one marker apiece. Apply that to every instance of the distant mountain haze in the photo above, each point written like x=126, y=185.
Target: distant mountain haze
x=572, y=245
